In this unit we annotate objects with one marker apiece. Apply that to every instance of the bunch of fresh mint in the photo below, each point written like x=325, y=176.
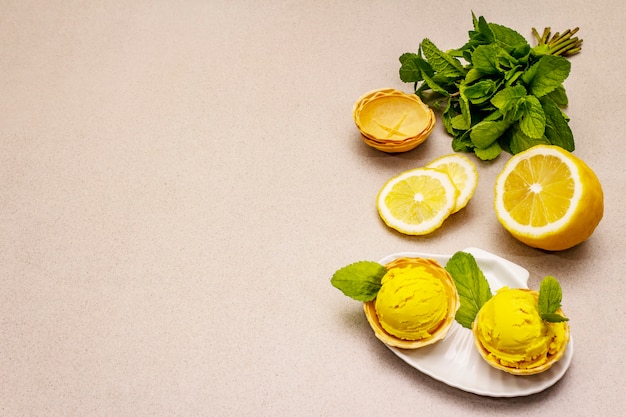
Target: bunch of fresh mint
x=507, y=96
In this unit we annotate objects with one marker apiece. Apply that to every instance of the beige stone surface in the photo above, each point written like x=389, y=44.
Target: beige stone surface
x=180, y=179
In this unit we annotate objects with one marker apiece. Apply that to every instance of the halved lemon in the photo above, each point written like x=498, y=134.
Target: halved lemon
x=548, y=198
x=463, y=174
x=417, y=201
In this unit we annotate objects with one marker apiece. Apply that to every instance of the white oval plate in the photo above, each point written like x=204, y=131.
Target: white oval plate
x=455, y=361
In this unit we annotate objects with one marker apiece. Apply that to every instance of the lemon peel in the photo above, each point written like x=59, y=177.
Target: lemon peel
x=548, y=198
x=463, y=174
x=417, y=201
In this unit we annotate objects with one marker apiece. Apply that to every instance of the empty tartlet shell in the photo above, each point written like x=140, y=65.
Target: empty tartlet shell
x=441, y=332
x=392, y=121
x=552, y=359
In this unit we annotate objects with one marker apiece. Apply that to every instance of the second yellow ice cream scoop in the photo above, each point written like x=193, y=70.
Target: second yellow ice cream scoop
x=511, y=335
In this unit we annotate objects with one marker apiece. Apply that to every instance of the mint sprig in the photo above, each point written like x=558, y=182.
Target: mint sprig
x=471, y=284
x=496, y=91
x=359, y=280
x=550, y=296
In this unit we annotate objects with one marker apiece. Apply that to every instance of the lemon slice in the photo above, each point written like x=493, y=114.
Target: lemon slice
x=548, y=198
x=463, y=174
x=417, y=201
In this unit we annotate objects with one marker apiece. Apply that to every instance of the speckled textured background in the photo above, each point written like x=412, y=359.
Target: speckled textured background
x=180, y=179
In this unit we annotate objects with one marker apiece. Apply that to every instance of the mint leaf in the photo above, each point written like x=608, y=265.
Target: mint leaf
x=461, y=142
x=491, y=152
x=360, y=280
x=480, y=91
x=483, y=29
x=508, y=37
x=484, y=59
x=441, y=61
x=447, y=116
x=553, y=318
x=533, y=122
x=434, y=85
x=484, y=133
x=549, y=73
x=411, y=68
x=519, y=141
x=557, y=131
x=550, y=295
x=507, y=98
x=472, y=75
x=559, y=96
x=471, y=285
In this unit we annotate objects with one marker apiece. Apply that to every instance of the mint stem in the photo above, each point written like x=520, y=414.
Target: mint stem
x=563, y=44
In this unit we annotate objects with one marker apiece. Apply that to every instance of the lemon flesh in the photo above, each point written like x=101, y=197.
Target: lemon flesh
x=417, y=201
x=548, y=198
x=463, y=174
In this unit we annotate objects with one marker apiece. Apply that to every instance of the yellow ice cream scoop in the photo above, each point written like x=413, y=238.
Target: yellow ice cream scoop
x=511, y=335
x=415, y=305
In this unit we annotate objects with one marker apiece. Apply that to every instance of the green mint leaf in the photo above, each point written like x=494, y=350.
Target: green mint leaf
x=484, y=59
x=553, y=318
x=550, y=295
x=459, y=122
x=471, y=284
x=557, y=131
x=505, y=61
x=360, y=280
x=507, y=37
x=491, y=152
x=461, y=142
x=480, y=91
x=529, y=74
x=472, y=76
x=484, y=133
x=483, y=29
x=461, y=117
x=519, y=141
x=507, y=98
x=533, y=122
x=513, y=75
x=410, y=69
x=549, y=73
x=440, y=61
x=465, y=111
x=559, y=96
x=447, y=116
x=434, y=85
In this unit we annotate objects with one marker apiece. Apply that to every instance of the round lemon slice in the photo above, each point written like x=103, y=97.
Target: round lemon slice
x=463, y=173
x=417, y=201
x=548, y=198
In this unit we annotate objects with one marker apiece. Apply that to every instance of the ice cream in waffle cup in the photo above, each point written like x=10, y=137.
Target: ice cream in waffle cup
x=437, y=330
x=556, y=346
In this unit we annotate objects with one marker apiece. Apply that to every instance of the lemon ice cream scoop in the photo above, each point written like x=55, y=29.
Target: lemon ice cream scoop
x=511, y=335
x=415, y=305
